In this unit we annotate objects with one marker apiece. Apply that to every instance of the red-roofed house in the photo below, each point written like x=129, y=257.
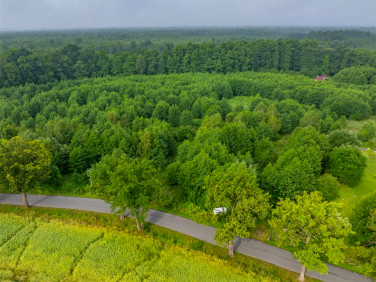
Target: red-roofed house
x=321, y=78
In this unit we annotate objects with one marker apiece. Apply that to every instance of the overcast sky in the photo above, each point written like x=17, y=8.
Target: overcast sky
x=67, y=14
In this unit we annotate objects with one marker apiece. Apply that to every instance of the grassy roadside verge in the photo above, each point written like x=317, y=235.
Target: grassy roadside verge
x=165, y=236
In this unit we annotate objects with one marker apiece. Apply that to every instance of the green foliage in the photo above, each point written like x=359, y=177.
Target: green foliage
x=174, y=116
x=367, y=257
x=64, y=60
x=356, y=75
x=363, y=220
x=237, y=137
x=313, y=229
x=342, y=137
x=347, y=163
x=192, y=176
x=235, y=189
x=264, y=153
x=295, y=175
x=186, y=118
x=269, y=182
x=349, y=104
x=195, y=121
x=23, y=164
x=155, y=143
x=126, y=184
x=161, y=111
x=310, y=118
x=371, y=225
x=307, y=137
x=367, y=132
x=298, y=166
x=328, y=186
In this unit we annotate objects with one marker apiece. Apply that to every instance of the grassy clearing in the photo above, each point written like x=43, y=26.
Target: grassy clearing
x=349, y=197
x=55, y=245
x=244, y=101
x=354, y=126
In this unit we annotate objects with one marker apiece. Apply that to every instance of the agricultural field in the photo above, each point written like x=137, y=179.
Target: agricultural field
x=41, y=250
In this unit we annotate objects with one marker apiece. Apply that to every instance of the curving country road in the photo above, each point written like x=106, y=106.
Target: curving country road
x=247, y=247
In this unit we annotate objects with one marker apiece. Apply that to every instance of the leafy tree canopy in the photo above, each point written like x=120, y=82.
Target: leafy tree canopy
x=313, y=229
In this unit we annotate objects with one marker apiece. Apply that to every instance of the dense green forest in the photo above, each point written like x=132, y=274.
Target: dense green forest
x=170, y=119
x=180, y=120
x=309, y=57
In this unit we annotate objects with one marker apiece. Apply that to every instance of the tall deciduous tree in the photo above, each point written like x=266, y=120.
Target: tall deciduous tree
x=236, y=190
x=314, y=229
x=23, y=164
x=126, y=184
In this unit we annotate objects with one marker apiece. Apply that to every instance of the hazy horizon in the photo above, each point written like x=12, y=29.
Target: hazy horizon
x=39, y=15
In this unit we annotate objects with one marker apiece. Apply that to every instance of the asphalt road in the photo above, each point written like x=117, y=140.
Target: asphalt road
x=247, y=247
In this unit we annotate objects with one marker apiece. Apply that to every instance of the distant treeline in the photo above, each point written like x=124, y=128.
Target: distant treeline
x=19, y=67
x=121, y=40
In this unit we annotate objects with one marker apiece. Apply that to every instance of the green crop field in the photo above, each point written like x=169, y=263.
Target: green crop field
x=50, y=250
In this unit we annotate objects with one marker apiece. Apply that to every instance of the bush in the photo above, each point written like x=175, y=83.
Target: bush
x=342, y=137
x=367, y=133
x=328, y=186
x=347, y=163
x=360, y=219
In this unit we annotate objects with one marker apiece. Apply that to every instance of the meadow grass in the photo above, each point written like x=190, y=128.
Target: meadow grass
x=354, y=126
x=244, y=101
x=351, y=196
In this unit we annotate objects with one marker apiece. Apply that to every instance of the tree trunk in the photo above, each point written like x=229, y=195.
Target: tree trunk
x=231, y=248
x=303, y=268
x=139, y=227
x=122, y=216
x=24, y=198
x=302, y=273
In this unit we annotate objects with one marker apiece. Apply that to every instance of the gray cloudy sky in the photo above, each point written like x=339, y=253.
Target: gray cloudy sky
x=66, y=14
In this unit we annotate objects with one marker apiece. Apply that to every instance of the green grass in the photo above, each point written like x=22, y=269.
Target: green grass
x=244, y=101
x=351, y=196
x=55, y=245
x=354, y=126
